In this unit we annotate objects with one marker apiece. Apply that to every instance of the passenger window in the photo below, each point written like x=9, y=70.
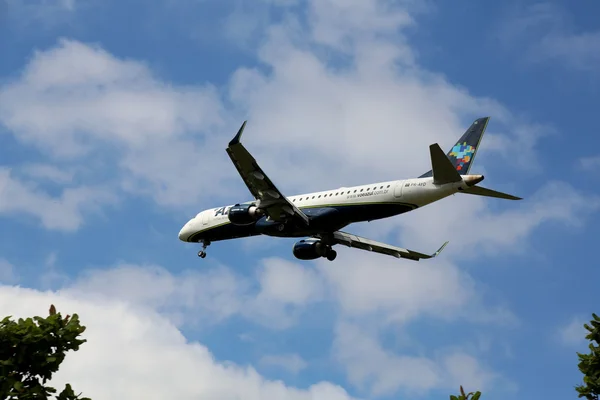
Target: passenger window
x=388, y=185
x=337, y=193
x=381, y=187
x=354, y=190
x=361, y=190
x=313, y=197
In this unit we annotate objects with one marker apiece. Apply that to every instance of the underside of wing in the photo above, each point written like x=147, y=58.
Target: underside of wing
x=350, y=240
x=269, y=199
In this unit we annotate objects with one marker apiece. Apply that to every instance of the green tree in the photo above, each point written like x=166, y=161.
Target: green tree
x=31, y=350
x=463, y=396
x=589, y=364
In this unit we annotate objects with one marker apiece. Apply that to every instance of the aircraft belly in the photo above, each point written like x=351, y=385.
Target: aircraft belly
x=224, y=231
x=374, y=211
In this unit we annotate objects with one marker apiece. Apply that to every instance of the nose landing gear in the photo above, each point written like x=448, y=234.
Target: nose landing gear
x=205, y=244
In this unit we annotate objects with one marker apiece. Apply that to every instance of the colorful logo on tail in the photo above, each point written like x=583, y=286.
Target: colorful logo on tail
x=463, y=153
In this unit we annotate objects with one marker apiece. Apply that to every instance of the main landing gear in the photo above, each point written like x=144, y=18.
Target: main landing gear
x=331, y=254
x=205, y=244
x=325, y=250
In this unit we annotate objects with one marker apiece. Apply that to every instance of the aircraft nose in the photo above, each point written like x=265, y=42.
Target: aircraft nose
x=185, y=232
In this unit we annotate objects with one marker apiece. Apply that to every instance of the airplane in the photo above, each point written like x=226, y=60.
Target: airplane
x=318, y=217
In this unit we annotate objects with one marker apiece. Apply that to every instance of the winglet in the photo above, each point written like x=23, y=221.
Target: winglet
x=437, y=253
x=415, y=255
x=237, y=137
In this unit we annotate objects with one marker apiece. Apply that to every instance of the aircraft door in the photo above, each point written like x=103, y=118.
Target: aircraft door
x=398, y=189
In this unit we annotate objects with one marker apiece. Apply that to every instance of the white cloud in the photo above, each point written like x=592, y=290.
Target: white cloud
x=465, y=370
x=51, y=259
x=40, y=13
x=78, y=103
x=286, y=288
x=7, y=272
x=549, y=35
x=289, y=282
x=276, y=299
x=380, y=372
x=48, y=172
x=192, y=297
x=591, y=164
x=580, y=51
x=147, y=302
x=62, y=213
x=144, y=356
x=283, y=291
x=573, y=333
x=366, y=283
x=346, y=24
x=78, y=91
x=291, y=362
x=362, y=284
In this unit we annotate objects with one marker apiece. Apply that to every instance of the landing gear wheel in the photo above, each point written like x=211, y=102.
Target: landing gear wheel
x=205, y=244
x=331, y=255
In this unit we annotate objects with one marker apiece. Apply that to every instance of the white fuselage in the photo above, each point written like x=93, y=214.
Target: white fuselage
x=416, y=192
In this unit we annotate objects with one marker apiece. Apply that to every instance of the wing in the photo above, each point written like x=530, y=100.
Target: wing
x=269, y=199
x=358, y=242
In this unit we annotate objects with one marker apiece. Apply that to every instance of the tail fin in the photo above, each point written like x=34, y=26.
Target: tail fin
x=463, y=152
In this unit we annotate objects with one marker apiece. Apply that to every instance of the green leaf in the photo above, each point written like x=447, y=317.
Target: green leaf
x=35, y=347
x=476, y=396
x=453, y=397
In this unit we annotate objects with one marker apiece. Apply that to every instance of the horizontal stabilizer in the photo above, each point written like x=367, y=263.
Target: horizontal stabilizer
x=443, y=170
x=481, y=191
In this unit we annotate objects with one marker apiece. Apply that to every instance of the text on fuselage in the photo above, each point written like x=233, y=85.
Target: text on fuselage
x=222, y=211
x=371, y=193
x=411, y=184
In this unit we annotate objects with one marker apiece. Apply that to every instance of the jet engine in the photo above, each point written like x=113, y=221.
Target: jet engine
x=311, y=249
x=244, y=214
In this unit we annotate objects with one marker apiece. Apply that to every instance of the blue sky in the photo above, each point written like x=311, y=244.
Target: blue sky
x=114, y=117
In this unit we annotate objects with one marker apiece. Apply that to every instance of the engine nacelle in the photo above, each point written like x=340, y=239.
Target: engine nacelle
x=309, y=249
x=244, y=214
